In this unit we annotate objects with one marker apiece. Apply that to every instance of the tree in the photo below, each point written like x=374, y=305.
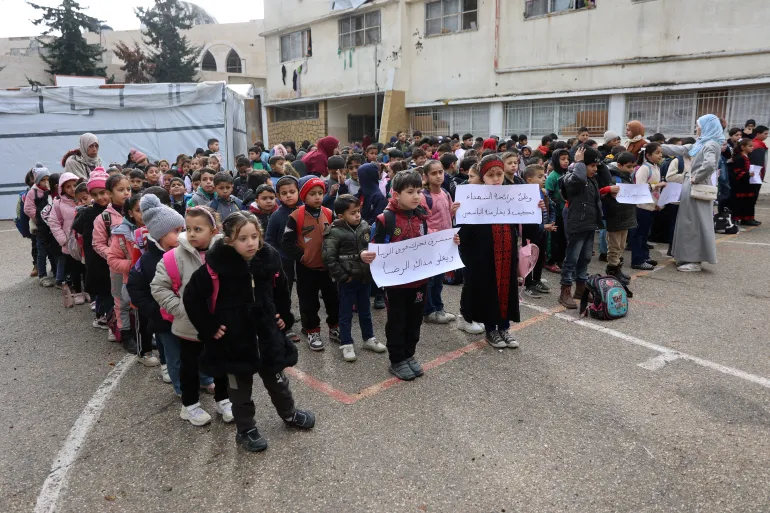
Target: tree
x=69, y=53
x=171, y=56
x=137, y=68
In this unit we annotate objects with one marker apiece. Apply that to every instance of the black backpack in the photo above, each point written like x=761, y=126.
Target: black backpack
x=723, y=223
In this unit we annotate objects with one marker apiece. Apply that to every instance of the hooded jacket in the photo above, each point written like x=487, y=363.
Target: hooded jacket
x=316, y=161
x=277, y=225
x=139, y=291
x=342, y=249
x=262, y=217
x=200, y=197
x=374, y=201
x=97, y=271
x=122, y=253
x=585, y=208
x=246, y=305
x=63, y=211
x=410, y=224
x=101, y=240
x=618, y=216
x=552, y=182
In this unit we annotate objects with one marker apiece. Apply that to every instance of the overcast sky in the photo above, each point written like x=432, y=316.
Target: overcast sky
x=119, y=14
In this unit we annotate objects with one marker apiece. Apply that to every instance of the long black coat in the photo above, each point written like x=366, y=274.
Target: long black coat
x=246, y=306
x=480, y=299
x=97, y=270
x=619, y=216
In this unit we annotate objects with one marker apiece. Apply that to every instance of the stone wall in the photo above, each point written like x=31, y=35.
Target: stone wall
x=394, y=115
x=297, y=131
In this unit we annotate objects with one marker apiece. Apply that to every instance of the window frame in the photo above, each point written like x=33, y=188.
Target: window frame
x=302, y=111
x=239, y=61
x=305, y=40
x=461, y=13
x=206, y=54
x=550, y=4
x=558, y=108
x=458, y=119
x=364, y=30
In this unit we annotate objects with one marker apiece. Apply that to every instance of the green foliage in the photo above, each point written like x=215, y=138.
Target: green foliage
x=136, y=66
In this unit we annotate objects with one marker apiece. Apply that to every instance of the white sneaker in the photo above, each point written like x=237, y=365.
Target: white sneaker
x=450, y=317
x=436, y=318
x=100, y=323
x=79, y=299
x=690, y=268
x=195, y=414
x=149, y=360
x=164, y=374
x=374, y=346
x=225, y=409
x=348, y=353
x=111, y=336
x=472, y=327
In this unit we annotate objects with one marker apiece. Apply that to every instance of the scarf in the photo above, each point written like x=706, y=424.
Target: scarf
x=503, y=250
x=710, y=130
x=87, y=140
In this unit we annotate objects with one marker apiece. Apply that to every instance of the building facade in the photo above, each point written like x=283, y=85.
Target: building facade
x=513, y=66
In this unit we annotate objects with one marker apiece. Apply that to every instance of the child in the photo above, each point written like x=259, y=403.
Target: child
x=37, y=199
x=288, y=194
x=345, y=245
x=620, y=217
x=352, y=183
x=583, y=216
x=195, y=182
x=255, y=156
x=449, y=164
x=264, y=206
x=511, y=161
x=522, y=142
x=742, y=194
x=225, y=203
x=136, y=179
x=559, y=164
x=167, y=289
x=119, y=190
x=163, y=166
x=373, y=204
x=176, y=190
x=152, y=176
x=336, y=184
x=648, y=172
x=60, y=221
x=170, y=175
x=419, y=158
x=303, y=241
x=371, y=153
x=214, y=163
x=213, y=145
x=758, y=157
x=537, y=233
x=253, y=181
x=490, y=253
x=242, y=167
x=441, y=210
x=164, y=226
x=276, y=166
x=241, y=336
x=205, y=192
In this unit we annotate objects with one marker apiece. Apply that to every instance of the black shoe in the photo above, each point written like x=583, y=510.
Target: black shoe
x=751, y=222
x=602, y=257
x=652, y=262
x=251, y=440
x=379, y=302
x=622, y=259
x=128, y=341
x=650, y=246
x=643, y=267
x=415, y=366
x=301, y=419
x=402, y=371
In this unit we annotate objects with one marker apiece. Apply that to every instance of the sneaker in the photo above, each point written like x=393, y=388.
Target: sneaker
x=46, y=281
x=58, y=285
x=251, y=440
x=379, y=302
x=652, y=262
x=334, y=335
x=602, y=257
x=210, y=388
x=93, y=306
x=101, y=323
x=293, y=337
x=532, y=292
x=415, y=366
x=402, y=371
x=510, y=340
x=195, y=414
x=149, y=360
x=301, y=419
x=79, y=299
x=643, y=267
x=33, y=273
x=542, y=288
x=315, y=342
x=164, y=374
x=472, y=327
x=374, y=346
x=111, y=336
x=496, y=340
x=225, y=409
x=553, y=268
x=436, y=318
x=348, y=353
x=690, y=268
x=446, y=315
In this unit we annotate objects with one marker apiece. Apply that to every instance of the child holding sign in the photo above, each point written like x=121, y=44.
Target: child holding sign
x=620, y=217
x=648, y=173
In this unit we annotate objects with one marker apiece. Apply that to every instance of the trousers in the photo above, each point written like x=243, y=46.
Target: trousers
x=309, y=283
x=402, y=329
x=239, y=389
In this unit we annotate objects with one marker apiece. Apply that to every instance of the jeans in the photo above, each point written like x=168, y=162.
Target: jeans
x=433, y=302
x=603, y=240
x=503, y=325
x=639, y=252
x=43, y=255
x=103, y=305
x=61, y=269
x=172, y=354
x=580, y=248
x=355, y=293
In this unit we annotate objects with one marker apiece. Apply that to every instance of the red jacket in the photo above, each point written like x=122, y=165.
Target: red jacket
x=759, y=155
x=409, y=225
x=316, y=161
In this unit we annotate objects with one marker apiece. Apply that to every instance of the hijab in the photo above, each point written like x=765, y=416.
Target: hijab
x=710, y=130
x=87, y=140
x=637, y=142
x=489, y=144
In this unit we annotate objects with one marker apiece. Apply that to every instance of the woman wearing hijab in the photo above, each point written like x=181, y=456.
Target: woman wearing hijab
x=85, y=159
x=694, y=240
x=489, y=144
x=316, y=160
x=635, y=134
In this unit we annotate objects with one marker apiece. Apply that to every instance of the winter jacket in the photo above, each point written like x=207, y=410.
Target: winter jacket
x=262, y=217
x=374, y=201
x=180, y=206
x=410, y=224
x=77, y=167
x=122, y=253
x=330, y=196
x=277, y=225
x=317, y=160
x=648, y=173
x=758, y=156
x=584, y=212
x=307, y=247
x=618, y=216
x=60, y=222
x=200, y=197
x=30, y=209
x=188, y=260
x=101, y=240
x=225, y=207
x=246, y=306
x=342, y=249
x=439, y=210
x=552, y=182
x=97, y=271
x=138, y=286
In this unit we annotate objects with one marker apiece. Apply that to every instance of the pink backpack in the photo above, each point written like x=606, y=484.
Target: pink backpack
x=528, y=256
x=169, y=260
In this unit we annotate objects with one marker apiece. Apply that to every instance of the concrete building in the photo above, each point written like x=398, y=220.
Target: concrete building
x=512, y=66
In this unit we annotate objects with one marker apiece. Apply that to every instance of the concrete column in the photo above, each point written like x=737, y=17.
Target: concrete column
x=616, y=117
x=495, y=120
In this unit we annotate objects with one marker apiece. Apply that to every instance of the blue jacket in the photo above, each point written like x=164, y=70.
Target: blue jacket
x=329, y=197
x=225, y=208
x=374, y=201
x=276, y=227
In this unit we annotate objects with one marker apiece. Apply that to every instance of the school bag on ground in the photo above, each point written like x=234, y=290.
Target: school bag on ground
x=723, y=223
x=608, y=298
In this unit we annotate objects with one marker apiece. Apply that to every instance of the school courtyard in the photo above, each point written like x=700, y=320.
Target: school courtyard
x=667, y=410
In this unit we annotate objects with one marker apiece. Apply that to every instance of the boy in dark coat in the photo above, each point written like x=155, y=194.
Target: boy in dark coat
x=620, y=217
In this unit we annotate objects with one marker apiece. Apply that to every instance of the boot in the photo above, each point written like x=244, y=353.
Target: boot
x=566, y=298
x=128, y=340
x=579, y=289
x=616, y=272
x=625, y=276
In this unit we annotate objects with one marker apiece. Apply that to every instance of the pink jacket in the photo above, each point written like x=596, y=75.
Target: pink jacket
x=121, y=250
x=29, y=201
x=62, y=214
x=101, y=240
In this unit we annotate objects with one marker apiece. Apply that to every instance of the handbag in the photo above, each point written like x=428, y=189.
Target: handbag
x=702, y=191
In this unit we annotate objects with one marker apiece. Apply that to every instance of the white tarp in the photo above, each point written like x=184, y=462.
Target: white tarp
x=161, y=120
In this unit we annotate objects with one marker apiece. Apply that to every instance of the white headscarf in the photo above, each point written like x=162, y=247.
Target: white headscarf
x=87, y=140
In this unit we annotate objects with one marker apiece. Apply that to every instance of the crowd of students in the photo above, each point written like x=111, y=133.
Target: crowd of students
x=200, y=262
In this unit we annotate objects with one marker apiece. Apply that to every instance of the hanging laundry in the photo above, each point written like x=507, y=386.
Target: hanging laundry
x=294, y=80
x=299, y=70
x=351, y=56
x=283, y=74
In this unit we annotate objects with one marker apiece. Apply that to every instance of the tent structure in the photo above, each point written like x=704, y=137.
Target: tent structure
x=40, y=124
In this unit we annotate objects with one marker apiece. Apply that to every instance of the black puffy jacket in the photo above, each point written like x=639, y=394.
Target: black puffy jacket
x=138, y=287
x=619, y=216
x=342, y=251
x=584, y=212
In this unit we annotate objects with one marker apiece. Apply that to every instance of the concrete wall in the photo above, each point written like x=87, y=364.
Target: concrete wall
x=338, y=111
x=297, y=131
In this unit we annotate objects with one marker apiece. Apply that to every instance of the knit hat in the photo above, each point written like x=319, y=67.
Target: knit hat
x=159, y=219
x=591, y=156
x=308, y=182
x=284, y=180
x=97, y=179
x=609, y=135
x=136, y=156
x=40, y=172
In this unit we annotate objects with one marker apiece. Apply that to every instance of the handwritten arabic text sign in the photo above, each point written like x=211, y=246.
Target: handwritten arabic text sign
x=757, y=178
x=416, y=259
x=498, y=204
x=634, y=194
x=671, y=194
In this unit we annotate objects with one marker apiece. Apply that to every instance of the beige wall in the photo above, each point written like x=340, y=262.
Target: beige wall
x=298, y=131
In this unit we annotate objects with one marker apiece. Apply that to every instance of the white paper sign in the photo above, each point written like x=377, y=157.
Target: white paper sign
x=670, y=194
x=415, y=259
x=757, y=178
x=498, y=204
x=634, y=194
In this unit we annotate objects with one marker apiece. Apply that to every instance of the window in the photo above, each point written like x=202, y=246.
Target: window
x=360, y=30
x=296, y=45
x=446, y=16
x=436, y=121
x=295, y=112
x=562, y=117
x=208, y=63
x=533, y=8
x=234, y=62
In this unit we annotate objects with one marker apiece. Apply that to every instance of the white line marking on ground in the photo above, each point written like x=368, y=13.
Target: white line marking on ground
x=659, y=361
x=57, y=478
x=748, y=243
x=724, y=369
x=4, y=231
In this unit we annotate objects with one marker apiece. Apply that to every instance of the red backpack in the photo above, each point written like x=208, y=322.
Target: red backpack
x=301, y=219
x=169, y=260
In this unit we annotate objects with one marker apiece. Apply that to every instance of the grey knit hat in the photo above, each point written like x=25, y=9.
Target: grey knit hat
x=159, y=219
x=609, y=135
x=40, y=172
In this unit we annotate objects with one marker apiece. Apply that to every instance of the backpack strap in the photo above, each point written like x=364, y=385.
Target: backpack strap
x=107, y=218
x=327, y=213
x=215, y=286
x=390, y=224
x=169, y=260
x=428, y=198
x=300, y=221
x=584, y=300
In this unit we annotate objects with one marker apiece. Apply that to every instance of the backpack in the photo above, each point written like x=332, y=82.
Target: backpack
x=429, y=197
x=390, y=226
x=667, y=163
x=610, y=300
x=169, y=260
x=22, y=220
x=723, y=223
x=301, y=218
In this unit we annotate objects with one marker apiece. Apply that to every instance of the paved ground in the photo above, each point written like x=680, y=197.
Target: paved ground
x=570, y=421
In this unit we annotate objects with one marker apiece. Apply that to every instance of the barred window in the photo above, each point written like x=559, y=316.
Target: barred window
x=434, y=121
x=296, y=112
x=562, y=117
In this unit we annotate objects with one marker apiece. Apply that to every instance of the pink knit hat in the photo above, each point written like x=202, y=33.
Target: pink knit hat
x=137, y=156
x=97, y=179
